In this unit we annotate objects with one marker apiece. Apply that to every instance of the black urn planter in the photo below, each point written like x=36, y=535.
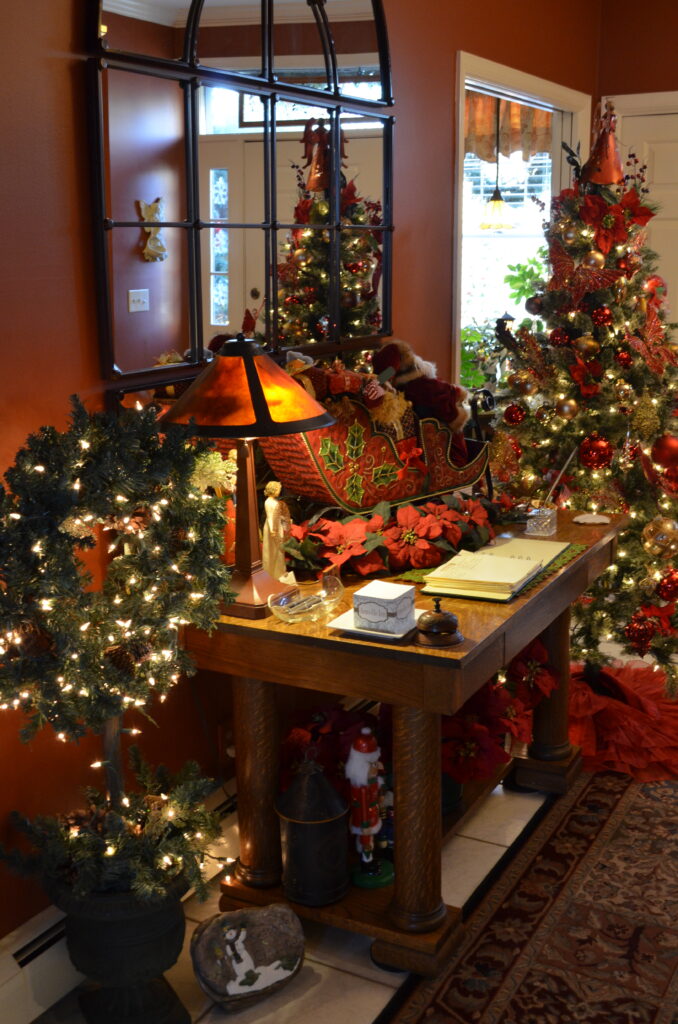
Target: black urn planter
x=124, y=945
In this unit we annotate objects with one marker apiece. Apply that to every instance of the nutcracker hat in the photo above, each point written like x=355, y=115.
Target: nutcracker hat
x=366, y=742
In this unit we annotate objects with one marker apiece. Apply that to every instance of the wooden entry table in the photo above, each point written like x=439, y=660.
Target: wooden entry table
x=411, y=926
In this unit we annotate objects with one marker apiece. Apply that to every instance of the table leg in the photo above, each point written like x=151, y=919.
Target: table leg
x=256, y=769
x=552, y=763
x=417, y=904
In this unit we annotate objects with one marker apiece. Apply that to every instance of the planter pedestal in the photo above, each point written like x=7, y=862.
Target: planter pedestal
x=124, y=946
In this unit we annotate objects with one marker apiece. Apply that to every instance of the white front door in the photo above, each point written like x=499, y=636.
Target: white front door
x=647, y=126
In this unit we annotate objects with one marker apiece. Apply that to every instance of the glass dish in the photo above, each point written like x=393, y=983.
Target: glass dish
x=542, y=522
x=308, y=602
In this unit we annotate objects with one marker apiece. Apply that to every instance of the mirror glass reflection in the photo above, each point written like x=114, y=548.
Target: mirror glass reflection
x=154, y=29
x=229, y=36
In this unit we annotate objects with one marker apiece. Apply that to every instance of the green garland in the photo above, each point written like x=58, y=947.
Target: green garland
x=73, y=656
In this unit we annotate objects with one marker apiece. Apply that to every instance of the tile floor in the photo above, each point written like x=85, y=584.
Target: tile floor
x=338, y=974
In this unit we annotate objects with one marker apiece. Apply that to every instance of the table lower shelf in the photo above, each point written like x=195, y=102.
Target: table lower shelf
x=364, y=911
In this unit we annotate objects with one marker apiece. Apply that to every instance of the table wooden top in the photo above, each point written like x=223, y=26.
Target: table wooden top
x=313, y=656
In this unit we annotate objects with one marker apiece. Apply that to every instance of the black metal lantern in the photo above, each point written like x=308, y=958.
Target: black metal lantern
x=314, y=839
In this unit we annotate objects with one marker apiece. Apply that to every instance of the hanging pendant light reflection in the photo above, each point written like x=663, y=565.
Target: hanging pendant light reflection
x=495, y=218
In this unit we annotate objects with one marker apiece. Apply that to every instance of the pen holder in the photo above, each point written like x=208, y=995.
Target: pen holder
x=541, y=522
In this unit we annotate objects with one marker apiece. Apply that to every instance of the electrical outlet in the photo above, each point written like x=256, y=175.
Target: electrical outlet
x=137, y=300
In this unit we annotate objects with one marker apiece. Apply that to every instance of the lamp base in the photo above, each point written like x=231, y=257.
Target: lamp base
x=252, y=592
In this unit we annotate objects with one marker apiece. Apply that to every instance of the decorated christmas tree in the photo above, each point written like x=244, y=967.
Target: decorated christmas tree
x=304, y=284
x=593, y=400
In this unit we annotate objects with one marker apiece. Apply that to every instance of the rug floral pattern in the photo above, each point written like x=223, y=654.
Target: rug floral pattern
x=582, y=928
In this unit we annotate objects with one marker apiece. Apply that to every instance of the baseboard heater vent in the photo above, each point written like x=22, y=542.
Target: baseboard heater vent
x=35, y=969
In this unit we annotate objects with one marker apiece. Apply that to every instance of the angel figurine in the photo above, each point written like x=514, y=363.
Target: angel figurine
x=276, y=530
x=154, y=250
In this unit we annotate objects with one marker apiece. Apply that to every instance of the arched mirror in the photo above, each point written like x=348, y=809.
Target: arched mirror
x=243, y=178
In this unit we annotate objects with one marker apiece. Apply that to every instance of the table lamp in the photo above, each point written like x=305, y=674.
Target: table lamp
x=243, y=394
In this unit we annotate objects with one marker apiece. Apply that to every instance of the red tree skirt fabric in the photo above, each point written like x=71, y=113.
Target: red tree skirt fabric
x=625, y=722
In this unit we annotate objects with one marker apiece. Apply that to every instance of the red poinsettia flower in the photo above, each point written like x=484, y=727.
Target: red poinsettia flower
x=529, y=677
x=349, y=196
x=366, y=565
x=517, y=720
x=340, y=541
x=447, y=518
x=584, y=373
x=469, y=750
x=299, y=531
x=409, y=541
x=609, y=222
x=634, y=210
x=476, y=514
x=489, y=706
x=302, y=211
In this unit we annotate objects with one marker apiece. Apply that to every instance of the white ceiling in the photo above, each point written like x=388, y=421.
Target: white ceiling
x=233, y=12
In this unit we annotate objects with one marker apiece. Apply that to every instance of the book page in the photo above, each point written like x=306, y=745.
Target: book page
x=486, y=568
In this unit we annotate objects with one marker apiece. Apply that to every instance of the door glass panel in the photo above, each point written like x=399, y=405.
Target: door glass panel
x=233, y=267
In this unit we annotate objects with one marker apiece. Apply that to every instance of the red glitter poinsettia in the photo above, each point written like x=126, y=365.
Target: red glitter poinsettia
x=584, y=373
x=661, y=616
x=469, y=750
x=409, y=541
x=302, y=211
x=348, y=196
x=608, y=222
x=476, y=514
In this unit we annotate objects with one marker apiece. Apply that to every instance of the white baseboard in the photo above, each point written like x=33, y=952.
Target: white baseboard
x=35, y=969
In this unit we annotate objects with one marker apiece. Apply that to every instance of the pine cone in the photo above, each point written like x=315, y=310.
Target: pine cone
x=126, y=657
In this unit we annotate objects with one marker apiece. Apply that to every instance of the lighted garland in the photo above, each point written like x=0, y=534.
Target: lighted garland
x=73, y=656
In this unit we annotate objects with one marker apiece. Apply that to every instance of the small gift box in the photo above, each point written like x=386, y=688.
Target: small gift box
x=384, y=607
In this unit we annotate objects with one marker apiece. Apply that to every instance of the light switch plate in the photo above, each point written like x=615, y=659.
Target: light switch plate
x=137, y=300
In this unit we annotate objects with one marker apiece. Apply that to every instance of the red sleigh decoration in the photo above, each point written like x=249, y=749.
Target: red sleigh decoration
x=357, y=465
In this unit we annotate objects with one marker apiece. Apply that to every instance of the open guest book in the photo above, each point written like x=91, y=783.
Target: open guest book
x=496, y=572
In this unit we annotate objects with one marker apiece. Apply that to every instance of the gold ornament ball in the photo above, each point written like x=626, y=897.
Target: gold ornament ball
x=523, y=382
x=544, y=414
x=562, y=224
x=570, y=235
x=586, y=345
x=624, y=391
x=566, y=408
x=660, y=537
x=594, y=260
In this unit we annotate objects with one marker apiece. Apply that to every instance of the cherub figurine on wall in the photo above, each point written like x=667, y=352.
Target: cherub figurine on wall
x=154, y=250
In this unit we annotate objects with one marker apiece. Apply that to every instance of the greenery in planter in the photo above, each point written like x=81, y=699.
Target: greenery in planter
x=158, y=835
x=76, y=657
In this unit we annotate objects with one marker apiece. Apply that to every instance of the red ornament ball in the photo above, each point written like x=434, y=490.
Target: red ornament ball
x=623, y=263
x=664, y=451
x=602, y=316
x=623, y=359
x=514, y=413
x=667, y=588
x=559, y=337
x=639, y=633
x=596, y=452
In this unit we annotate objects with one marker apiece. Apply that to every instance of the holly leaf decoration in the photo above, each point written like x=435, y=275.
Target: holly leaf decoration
x=331, y=455
x=355, y=441
x=384, y=474
x=354, y=488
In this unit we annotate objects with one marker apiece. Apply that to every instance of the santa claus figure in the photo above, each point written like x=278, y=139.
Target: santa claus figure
x=362, y=771
x=398, y=365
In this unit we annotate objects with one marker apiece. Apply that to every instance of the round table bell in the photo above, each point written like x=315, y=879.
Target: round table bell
x=438, y=628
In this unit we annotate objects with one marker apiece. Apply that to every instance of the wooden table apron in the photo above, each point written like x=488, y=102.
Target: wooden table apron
x=420, y=684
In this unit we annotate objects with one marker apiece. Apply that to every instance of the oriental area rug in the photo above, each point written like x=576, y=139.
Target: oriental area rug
x=581, y=928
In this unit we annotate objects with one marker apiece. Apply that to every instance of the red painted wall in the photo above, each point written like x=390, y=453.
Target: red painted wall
x=49, y=336
x=555, y=41
x=638, y=54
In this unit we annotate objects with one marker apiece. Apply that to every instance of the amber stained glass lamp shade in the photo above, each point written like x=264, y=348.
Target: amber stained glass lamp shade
x=243, y=394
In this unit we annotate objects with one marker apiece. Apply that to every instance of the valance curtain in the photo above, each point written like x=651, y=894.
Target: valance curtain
x=521, y=128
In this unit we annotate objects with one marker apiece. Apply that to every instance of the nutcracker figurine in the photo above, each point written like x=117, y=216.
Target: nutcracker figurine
x=362, y=771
